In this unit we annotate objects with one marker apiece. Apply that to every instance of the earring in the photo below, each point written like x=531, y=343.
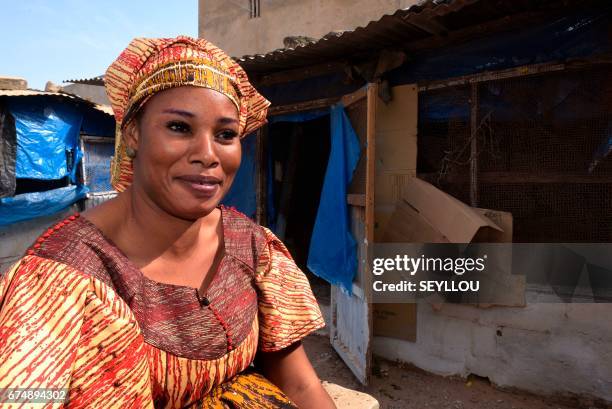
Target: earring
x=130, y=152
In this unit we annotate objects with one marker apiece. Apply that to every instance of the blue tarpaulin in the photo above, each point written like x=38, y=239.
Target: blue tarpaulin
x=333, y=250
x=31, y=205
x=573, y=36
x=243, y=193
x=47, y=135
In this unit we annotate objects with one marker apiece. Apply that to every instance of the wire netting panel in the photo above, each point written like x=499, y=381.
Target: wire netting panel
x=96, y=160
x=542, y=145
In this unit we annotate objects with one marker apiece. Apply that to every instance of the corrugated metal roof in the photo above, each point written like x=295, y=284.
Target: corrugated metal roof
x=99, y=80
x=428, y=19
x=31, y=92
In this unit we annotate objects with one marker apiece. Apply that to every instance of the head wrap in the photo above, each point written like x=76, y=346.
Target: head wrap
x=150, y=65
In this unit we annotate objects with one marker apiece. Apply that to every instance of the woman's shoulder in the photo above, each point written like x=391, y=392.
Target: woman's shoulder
x=239, y=224
x=244, y=238
x=76, y=243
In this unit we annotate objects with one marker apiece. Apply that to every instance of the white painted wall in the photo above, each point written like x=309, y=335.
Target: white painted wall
x=549, y=349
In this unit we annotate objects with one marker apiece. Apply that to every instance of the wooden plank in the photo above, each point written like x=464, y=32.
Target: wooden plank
x=356, y=199
x=301, y=73
x=356, y=96
x=474, y=146
x=522, y=71
x=372, y=92
x=351, y=323
x=302, y=106
x=493, y=75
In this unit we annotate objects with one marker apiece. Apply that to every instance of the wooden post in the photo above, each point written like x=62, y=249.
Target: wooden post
x=371, y=160
x=474, y=146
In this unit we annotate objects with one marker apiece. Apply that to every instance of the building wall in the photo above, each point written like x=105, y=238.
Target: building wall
x=549, y=349
x=93, y=93
x=228, y=24
x=16, y=238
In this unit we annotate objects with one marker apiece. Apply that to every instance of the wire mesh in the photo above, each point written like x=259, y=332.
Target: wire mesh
x=542, y=151
x=96, y=161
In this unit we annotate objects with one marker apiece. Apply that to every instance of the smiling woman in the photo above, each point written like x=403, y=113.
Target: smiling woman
x=188, y=150
x=161, y=297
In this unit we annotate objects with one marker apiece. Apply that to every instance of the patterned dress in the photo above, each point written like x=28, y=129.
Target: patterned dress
x=76, y=313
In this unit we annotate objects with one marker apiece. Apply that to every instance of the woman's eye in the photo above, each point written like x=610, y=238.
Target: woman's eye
x=178, y=126
x=228, y=135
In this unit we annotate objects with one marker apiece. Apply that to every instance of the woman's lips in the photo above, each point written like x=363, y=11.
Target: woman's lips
x=206, y=186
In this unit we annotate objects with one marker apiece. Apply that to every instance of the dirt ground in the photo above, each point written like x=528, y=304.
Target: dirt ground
x=401, y=387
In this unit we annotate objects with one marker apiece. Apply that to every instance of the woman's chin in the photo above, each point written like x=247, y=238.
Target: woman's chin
x=196, y=210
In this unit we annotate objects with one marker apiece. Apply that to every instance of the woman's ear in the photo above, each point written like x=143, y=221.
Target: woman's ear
x=131, y=135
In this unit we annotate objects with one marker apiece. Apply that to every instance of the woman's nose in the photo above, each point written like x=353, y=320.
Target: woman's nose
x=203, y=151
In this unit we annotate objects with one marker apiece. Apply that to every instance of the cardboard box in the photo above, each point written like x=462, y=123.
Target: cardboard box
x=425, y=214
x=395, y=321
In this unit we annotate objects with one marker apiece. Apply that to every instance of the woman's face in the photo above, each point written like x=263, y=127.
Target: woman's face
x=188, y=150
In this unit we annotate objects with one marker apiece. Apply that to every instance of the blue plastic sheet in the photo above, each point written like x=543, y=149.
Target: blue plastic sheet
x=243, y=195
x=47, y=132
x=574, y=36
x=32, y=205
x=333, y=250
x=96, y=123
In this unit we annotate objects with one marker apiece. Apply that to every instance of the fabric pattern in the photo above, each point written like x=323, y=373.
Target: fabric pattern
x=71, y=317
x=150, y=65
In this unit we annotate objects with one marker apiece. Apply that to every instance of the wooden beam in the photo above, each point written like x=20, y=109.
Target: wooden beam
x=493, y=75
x=506, y=23
x=428, y=25
x=522, y=71
x=302, y=106
x=356, y=96
x=356, y=199
x=301, y=73
x=372, y=95
x=474, y=146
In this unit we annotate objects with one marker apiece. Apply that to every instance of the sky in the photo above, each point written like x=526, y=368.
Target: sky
x=57, y=40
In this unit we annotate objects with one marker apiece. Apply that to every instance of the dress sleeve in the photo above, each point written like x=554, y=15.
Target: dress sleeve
x=41, y=314
x=288, y=311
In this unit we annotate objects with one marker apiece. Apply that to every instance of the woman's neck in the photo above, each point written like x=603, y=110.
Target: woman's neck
x=146, y=232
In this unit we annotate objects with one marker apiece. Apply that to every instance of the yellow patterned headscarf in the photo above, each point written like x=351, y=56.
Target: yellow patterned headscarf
x=150, y=65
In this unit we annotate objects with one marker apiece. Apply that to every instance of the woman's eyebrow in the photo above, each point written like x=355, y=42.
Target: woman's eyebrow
x=227, y=120
x=178, y=112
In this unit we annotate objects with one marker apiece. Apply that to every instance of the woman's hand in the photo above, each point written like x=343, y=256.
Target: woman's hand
x=291, y=371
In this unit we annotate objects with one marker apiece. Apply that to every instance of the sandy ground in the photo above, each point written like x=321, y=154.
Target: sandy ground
x=401, y=387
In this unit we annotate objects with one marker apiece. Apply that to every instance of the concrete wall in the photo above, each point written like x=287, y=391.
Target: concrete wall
x=227, y=23
x=16, y=238
x=549, y=349
x=93, y=93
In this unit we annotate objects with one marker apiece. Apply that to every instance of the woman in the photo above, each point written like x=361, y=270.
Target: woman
x=161, y=297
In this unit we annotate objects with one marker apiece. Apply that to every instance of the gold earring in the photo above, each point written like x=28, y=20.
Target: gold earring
x=130, y=152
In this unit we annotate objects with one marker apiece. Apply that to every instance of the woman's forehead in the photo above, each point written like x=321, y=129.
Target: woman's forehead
x=192, y=102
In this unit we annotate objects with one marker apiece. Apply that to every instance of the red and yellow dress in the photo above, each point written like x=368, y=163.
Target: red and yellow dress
x=76, y=313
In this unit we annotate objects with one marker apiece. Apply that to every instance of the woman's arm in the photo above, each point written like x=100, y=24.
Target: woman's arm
x=291, y=371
